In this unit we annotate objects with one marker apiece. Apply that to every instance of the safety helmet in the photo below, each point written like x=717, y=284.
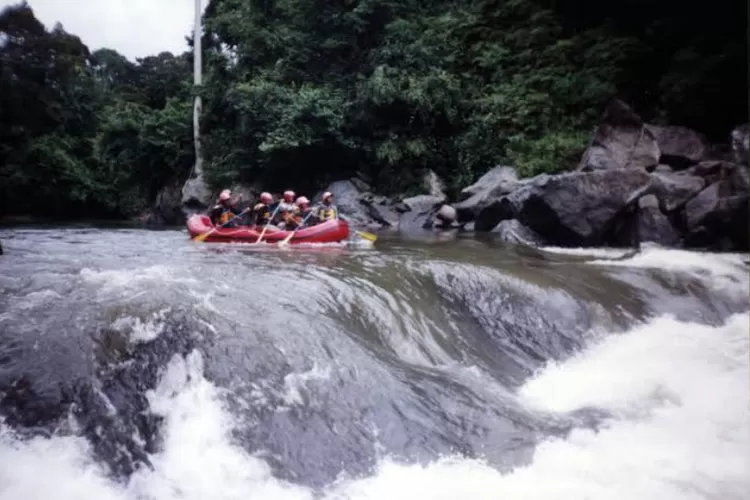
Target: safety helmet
x=266, y=197
x=225, y=195
x=302, y=201
x=327, y=195
x=289, y=196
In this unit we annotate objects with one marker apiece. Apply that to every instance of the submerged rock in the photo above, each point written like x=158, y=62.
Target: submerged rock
x=512, y=231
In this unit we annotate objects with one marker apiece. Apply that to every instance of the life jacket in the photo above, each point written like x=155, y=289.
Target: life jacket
x=225, y=216
x=262, y=214
x=326, y=212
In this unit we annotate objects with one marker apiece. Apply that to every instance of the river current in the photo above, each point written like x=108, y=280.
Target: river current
x=137, y=364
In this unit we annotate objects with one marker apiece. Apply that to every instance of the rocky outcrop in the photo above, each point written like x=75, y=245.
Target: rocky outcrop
x=358, y=205
x=621, y=141
x=741, y=144
x=652, y=225
x=421, y=211
x=196, y=195
x=679, y=146
x=573, y=209
x=497, y=182
x=167, y=208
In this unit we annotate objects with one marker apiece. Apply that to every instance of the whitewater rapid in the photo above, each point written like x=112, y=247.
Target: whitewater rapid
x=669, y=400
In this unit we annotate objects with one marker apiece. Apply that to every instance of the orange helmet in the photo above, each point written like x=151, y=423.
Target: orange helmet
x=289, y=196
x=266, y=197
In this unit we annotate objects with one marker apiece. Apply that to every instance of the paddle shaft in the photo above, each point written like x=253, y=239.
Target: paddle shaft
x=286, y=240
x=205, y=235
x=262, y=233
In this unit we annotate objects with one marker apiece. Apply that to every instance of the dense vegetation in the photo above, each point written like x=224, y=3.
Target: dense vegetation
x=300, y=92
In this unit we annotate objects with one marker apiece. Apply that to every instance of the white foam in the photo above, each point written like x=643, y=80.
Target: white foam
x=722, y=271
x=611, y=253
x=679, y=430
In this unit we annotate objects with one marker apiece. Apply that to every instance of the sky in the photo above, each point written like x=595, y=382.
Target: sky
x=135, y=28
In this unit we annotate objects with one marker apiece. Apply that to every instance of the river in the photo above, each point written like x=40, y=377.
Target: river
x=137, y=364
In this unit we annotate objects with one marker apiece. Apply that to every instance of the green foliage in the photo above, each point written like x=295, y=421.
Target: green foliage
x=298, y=93
x=86, y=134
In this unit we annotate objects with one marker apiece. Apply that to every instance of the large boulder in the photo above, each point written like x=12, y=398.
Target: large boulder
x=741, y=144
x=717, y=218
x=346, y=197
x=671, y=190
x=167, y=209
x=380, y=209
x=196, y=195
x=572, y=209
x=497, y=182
x=421, y=211
x=620, y=141
x=680, y=147
x=512, y=231
x=651, y=225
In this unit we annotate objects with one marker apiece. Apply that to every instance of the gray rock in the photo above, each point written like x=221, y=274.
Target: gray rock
x=673, y=191
x=679, y=146
x=652, y=225
x=346, y=197
x=741, y=144
x=572, y=209
x=446, y=214
x=167, y=209
x=196, y=195
x=421, y=213
x=512, y=231
x=663, y=169
x=718, y=218
x=620, y=141
x=497, y=182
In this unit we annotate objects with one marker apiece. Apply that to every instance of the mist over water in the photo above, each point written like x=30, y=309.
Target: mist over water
x=140, y=365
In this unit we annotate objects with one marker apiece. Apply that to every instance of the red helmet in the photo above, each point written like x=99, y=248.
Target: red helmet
x=289, y=196
x=266, y=197
x=225, y=195
x=327, y=195
x=302, y=201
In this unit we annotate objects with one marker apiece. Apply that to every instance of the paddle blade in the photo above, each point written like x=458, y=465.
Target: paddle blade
x=286, y=240
x=203, y=236
x=367, y=236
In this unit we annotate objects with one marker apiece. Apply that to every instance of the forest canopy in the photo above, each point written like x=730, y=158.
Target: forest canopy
x=303, y=92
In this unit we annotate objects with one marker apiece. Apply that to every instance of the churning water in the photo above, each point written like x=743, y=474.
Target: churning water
x=140, y=365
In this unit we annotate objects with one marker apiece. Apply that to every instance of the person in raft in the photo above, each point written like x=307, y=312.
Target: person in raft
x=224, y=210
x=326, y=210
x=262, y=210
x=302, y=215
x=286, y=212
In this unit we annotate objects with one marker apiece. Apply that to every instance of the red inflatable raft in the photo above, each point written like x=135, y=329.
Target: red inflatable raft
x=331, y=231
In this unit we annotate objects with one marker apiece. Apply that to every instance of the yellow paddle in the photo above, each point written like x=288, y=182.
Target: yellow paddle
x=367, y=236
x=268, y=224
x=286, y=240
x=205, y=235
